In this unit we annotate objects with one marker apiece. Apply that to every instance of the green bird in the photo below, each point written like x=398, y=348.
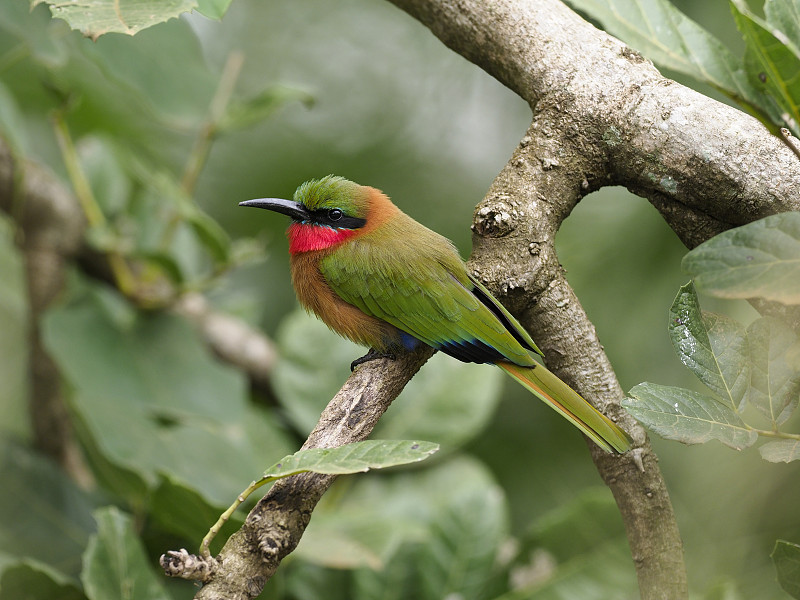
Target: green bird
x=379, y=278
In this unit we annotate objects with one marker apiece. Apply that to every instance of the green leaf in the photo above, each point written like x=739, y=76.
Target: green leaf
x=576, y=550
x=115, y=564
x=352, y=458
x=686, y=416
x=14, y=339
x=211, y=235
x=247, y=113
x=179, y=509
x=669, y=38
x=772, y=63
x=43, y=514
x=775, y=374
x=32, y=580
x=786, y=557
x=781, y=451
x=760, y=259
x=93, y=18
x=713, y=346
x=213, y=9
x=448, y=401
x=153, y=400
x=784, y=15
x=445, y=525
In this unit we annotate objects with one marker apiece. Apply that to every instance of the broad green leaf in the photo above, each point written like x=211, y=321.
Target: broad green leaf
x=772, y=65
x=603, y=575
x=352, y=458
x=775, y=373
x=448, y=523
x=32, y=580
x=576, y=550
x=43, y=514
x=93, y=18
x=583, y=525
x=669, y=38
x=180, y=510
x=780, y=451
x=760, y=259
x=686, y=416
x=115, y=564
x=713, y=346
x=152, y=400
x=447, y=401
x=786, y=557
x=14, y=339
x=784, y=15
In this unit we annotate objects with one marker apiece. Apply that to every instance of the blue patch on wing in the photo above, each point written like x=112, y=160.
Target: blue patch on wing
x=409, y=341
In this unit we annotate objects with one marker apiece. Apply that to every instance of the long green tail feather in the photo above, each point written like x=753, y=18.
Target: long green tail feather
x=557, y=394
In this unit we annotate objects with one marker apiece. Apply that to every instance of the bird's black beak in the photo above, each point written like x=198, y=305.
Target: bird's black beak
x=295, y=210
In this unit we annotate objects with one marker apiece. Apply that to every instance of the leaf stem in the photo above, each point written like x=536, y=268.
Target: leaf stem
x=223, y=518
x=774, y=433
x=83, y=190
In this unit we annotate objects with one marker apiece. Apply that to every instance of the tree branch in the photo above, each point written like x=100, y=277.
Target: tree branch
x=274, y=527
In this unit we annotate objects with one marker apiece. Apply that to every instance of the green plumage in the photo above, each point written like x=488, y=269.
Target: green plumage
x=420, y=286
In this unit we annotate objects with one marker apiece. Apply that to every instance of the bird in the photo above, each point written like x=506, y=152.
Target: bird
x=376, y=276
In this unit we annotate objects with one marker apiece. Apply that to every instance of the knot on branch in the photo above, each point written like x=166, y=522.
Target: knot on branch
x=496, y=218
x=188, y=566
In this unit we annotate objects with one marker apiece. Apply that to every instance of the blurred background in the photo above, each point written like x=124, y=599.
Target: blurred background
x=358, y=89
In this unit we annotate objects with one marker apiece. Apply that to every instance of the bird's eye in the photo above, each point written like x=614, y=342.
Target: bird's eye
x=335, y=214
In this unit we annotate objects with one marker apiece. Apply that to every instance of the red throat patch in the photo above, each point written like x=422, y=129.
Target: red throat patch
x=305, y=238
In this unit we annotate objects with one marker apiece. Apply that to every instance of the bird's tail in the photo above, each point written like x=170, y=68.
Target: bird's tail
x=557, y=394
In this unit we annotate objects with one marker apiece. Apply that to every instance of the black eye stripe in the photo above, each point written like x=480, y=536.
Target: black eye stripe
x=336, y=218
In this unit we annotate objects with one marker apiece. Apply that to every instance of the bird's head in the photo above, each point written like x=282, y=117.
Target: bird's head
x=325, y=212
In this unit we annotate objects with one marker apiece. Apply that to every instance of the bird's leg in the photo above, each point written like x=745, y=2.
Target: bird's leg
x=371, y=355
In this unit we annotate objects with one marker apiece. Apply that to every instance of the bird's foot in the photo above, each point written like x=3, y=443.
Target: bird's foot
x=371, y=355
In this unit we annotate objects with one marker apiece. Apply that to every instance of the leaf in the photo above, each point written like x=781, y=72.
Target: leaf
x=712, y=346
x=772, y=62
x=43, y=514
x=32, y=580
x=181, y=510
x=93, y=18
x=784, y=15
x=775, y=376
x=760, y=259
x=669, y=38
x=213, y=9
x=686, y=416
x=786, y=557
x=448, y=401
x=208, y=231
x=446, y=526
x=352, y=458
x=14, y=339
x=115, y=564
x=781, y=451
x=247, y=113
x=151, y=398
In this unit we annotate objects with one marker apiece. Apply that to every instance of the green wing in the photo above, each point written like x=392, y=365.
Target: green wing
x=421, y=287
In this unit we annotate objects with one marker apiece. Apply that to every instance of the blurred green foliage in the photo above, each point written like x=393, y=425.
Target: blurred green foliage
x=510, y=508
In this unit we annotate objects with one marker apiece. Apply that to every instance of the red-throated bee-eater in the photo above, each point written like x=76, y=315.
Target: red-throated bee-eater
x=379, y=278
